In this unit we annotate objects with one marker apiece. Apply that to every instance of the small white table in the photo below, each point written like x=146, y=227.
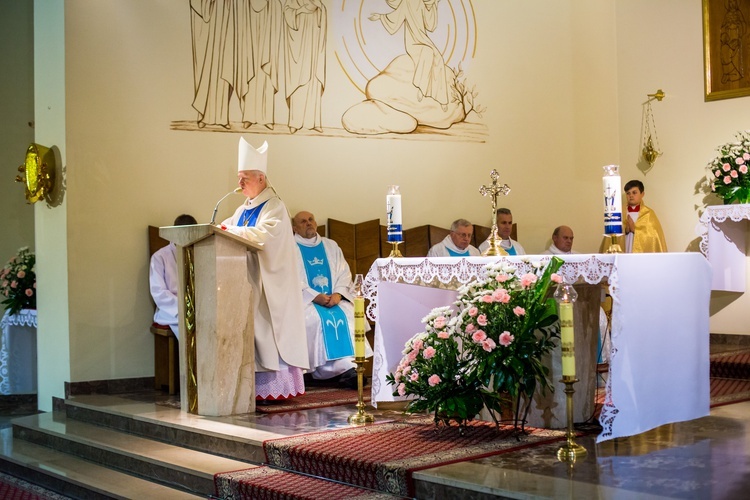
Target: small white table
x=723, y=230
x=18, y=374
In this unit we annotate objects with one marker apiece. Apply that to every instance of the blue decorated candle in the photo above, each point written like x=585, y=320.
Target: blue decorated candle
x=612, y=185
x=393, y=214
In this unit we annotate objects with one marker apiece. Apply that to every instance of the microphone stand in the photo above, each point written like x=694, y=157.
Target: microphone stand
x=216, y=208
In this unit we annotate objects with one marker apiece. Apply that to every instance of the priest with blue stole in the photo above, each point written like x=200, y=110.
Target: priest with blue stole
x=326, y=282
x=280, y=342
x=457, y=243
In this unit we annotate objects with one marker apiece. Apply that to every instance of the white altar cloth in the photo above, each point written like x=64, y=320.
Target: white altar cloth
x=723, y=230
x=659, y=371
x=18, y=374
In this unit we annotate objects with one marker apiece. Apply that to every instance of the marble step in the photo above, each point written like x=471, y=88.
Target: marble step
x=217, y=436
x=167, y=464
x=75, y=477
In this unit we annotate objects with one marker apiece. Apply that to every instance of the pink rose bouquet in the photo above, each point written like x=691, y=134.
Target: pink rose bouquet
x=18, y=282
x=728, y=172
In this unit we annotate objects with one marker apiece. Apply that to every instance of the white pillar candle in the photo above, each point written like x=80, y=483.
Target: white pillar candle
x=393, y=214
x=612, y=186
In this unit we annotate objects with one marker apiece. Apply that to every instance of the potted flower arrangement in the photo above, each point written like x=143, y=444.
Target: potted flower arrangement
x=486, y=354
x=728, y=172
x=18, y=282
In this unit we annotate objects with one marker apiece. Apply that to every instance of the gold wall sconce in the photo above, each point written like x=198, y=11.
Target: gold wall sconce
x=650, y=146
x=38, y=173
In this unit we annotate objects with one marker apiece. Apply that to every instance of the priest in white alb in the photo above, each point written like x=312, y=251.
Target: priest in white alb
x=457, y=243
x=562, y=242
x=326, y=282
x=280, y=341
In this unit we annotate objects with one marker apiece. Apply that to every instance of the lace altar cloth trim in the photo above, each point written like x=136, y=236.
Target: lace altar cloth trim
x=609, y=410
x=25, y=317
x=591, y=268
x=716, y=214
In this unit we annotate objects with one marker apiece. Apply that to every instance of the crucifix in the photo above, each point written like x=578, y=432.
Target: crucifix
x=493, y=190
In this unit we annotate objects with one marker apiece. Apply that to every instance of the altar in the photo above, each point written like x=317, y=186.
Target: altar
x=18, y=373
x=659, y=364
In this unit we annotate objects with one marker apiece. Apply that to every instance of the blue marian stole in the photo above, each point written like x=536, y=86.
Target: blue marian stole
x=453, y=253
x=511, y=250
x=250, y=216
x=336, y=337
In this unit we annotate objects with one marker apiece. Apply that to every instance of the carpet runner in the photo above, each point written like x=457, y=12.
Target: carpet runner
x=315, y=397
x=384, y=456
x=12, y=488
x=266, y=483
x=731, y=364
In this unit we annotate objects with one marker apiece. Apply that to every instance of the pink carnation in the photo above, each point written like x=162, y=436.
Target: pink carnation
x=440, y=322
x=401, y=389
x=21, y=274
x=473, y=311
x=528, y=279
x=397, y=376
x=433, y=380
x=412, y=355
x=519, y=311
x=717, y=173
x=727, y=179
x=29, y=292
x=470, y=328
x=743, y=169
x=443, y=335
x=499, y=295
x=14, y=284
x=487, y=299
x=429, y=352
x=739, y=161
x=502, y=278
x=414, y=377
x=417, y=344
x=733, y=174
x=482, y=320
x=488, y=345
x=479, y=336
x=746, y=156
x=503, y=296
x=556, y=278
x=506, y=338
x=725, y=167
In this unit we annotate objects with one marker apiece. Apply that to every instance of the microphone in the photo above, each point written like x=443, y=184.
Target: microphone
x=216, y=208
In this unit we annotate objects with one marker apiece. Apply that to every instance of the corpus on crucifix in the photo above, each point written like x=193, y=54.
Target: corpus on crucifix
x=493, y=190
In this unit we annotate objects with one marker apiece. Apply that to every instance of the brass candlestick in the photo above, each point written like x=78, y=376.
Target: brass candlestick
x=570, y=451
x=395, y=252
x=360, y=418
x=614, y=246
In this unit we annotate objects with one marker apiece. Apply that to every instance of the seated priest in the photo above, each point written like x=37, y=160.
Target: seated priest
x=457, y=243
x=162, y=280
x=326, y=283
x=280, y=347
x=504, y=227
x=562, y=242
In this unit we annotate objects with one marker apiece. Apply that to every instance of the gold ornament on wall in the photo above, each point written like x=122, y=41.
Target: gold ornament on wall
x=38, y=173
x=650, y=145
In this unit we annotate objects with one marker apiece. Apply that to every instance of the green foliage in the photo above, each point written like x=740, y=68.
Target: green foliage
x=18, y=282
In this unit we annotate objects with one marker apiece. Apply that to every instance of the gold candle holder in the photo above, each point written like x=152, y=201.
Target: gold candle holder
x=614, y=246
x=395, y=252
x=360, y=418
x=570, y=451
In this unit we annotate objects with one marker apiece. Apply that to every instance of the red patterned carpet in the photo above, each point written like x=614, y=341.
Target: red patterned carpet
x=383, y=456
x=315, y=397
x=12, y=488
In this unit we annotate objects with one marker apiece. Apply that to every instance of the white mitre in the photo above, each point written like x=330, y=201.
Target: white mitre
x=250, y=158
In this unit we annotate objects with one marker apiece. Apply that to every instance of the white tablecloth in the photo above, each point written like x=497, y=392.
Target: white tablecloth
x=659, y=359
x=18, y=353
x=723, y=230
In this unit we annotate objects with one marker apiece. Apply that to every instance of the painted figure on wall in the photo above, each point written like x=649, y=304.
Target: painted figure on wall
x=305, y=29
x=259, y=42
x=733, y=30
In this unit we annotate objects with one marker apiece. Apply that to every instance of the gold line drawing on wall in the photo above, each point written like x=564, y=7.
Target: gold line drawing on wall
x=259, y=66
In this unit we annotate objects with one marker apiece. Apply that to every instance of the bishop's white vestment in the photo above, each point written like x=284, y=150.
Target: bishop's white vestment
x=280, y=341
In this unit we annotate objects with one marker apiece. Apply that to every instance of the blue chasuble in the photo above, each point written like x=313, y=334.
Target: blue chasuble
x=250, y=216
x=453, y=253
x=336, y=337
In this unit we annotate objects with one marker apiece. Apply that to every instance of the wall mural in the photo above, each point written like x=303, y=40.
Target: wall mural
x=259, y=66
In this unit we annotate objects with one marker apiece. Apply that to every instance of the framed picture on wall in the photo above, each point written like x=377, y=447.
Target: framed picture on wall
x=726, y=48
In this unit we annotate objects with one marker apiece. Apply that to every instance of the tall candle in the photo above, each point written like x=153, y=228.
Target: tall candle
x=611, y=186
x=393, y=214
x=567, y=340
x=359, y=327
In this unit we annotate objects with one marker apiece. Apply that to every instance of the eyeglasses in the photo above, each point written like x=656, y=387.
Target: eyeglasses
x=463, y=235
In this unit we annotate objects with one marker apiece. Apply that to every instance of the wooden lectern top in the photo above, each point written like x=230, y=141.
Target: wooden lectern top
x=184, y=236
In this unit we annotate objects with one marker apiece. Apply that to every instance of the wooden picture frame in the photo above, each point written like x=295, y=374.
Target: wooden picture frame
x=726, y=48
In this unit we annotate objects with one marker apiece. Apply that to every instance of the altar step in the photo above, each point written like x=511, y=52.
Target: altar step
x=90, y=452
x=734, y=364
